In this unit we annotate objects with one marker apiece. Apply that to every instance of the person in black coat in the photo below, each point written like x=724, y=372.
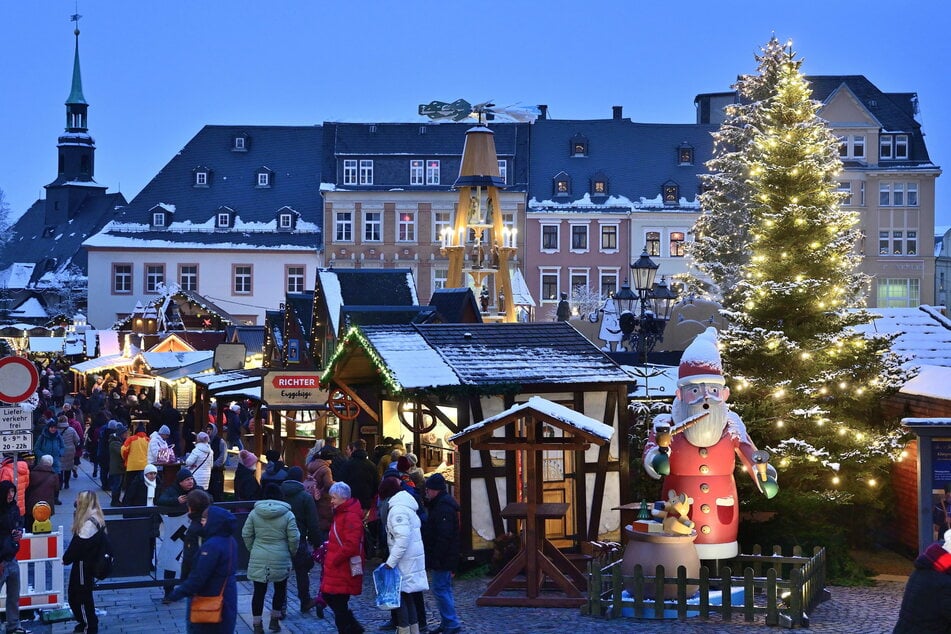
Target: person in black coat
x=246, y=486
x=361, y=474
x=11, y=529
x=89, y=528
x=213, y=569
x=926, y=604
x=305, y=512
x=275, y=471
x=441, y=544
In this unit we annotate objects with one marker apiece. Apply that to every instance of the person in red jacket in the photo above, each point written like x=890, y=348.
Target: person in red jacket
x=346, y=540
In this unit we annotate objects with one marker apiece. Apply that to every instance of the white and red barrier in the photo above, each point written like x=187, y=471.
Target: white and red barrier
x=42, y=583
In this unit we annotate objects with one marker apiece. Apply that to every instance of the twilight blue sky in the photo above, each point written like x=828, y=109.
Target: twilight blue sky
x=155, y=72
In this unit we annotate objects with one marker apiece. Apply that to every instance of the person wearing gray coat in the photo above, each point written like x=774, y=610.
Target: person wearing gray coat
x=71, y=443
x=271, y=535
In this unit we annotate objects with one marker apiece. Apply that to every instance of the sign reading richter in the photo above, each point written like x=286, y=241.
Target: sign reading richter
x=293, y=388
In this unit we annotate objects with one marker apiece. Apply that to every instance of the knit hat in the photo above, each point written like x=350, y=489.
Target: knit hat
x=203, y=437
x=183, y=474
x=120, y=429
x=46, y=460
x=389, y=487
x=403, y=464
x=150, y=468
x=700, y=362
x=296, y=474
x=247, y=458
x=164, y=431
x=413, y=460
x=272, y=455
x=436, y=482
x=935, y=557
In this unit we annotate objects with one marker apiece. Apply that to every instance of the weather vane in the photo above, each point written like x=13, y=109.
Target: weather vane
x=76, y=17
x=461, y=109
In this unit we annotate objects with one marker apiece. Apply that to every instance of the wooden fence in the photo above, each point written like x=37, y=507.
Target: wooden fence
x=781, y=589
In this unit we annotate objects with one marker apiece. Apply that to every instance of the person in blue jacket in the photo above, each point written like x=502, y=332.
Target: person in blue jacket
x=214, y=567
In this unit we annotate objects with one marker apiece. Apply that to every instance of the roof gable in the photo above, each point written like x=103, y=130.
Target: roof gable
x=843, y=108
x=364, y=287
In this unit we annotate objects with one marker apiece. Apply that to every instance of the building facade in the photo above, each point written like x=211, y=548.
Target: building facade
x=887, y=178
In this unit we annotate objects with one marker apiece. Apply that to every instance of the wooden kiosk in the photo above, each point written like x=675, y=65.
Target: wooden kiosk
x=523, y=431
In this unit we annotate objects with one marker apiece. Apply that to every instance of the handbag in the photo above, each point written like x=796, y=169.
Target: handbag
x=209, y=609
x=165, y=455
x=356, y=562
x=320, y=553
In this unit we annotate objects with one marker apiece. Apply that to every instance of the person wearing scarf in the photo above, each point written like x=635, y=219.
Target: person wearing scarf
x=143, y=490
x=926, y=604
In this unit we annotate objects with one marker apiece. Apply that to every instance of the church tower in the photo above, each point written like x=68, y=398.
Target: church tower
x=76, y=154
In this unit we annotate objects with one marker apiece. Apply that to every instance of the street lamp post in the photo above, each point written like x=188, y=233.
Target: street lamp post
x=646, y=329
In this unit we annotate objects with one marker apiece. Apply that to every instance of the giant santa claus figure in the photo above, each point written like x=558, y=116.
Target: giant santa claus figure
x=694, y=448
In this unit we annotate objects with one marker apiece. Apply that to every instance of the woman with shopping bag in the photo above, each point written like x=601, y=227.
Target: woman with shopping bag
x=405, y=541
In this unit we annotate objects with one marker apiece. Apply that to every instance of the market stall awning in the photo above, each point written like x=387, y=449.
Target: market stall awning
x=47, y=344
x=102, y=363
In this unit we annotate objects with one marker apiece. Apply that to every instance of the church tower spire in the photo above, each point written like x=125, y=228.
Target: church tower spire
x=76, y=151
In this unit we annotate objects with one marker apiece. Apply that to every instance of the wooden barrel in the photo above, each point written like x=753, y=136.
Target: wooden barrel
x=660, y=549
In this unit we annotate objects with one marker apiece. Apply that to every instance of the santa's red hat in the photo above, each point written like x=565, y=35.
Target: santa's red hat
x=700, y=362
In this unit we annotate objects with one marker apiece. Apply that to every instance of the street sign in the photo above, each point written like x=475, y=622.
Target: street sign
x=18, y=379
x=16, y=442
x=15, y=420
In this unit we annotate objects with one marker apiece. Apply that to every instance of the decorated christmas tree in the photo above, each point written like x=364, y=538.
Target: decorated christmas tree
x=782, y=251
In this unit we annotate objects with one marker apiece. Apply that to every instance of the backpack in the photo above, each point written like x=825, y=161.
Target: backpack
x=102, y=567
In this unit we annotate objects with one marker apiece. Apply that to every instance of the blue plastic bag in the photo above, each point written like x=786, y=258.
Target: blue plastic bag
x=387, y=583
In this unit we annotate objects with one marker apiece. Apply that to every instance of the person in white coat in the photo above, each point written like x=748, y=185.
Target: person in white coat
x=157, y=442
x=405, y=540
x=200, y=461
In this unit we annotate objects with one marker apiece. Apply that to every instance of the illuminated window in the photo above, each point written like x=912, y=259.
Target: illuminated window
x=899, y=293
x=416, y=172
x=653, y=242
x=608, y=237
x=406, y=228
x=432, y=172
x=579, y=145
x=677, y=244
x=671, y=194
x=562, y=185
x=685, y=155
x=442, y=221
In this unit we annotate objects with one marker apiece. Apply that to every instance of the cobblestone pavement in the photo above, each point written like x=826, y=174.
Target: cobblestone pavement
x=868, y=610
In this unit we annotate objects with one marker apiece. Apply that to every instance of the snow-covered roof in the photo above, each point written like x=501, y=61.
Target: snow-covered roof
x=931, y=380
x=47, y=344
x=412, y=361
x=30, y=309
x=924, y=334
x=521, y=295
x=570, y=417
x=159, y=361
x=101, y=363
x=17, y=275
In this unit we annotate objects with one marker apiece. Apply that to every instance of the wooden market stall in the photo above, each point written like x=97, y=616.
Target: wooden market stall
x=527, y=431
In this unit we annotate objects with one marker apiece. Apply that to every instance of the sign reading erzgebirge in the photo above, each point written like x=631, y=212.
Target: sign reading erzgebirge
x=293, y=388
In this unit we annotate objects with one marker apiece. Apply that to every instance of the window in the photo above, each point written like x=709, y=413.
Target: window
x=653, y=243
x=154, y=277
x=372, y=226
x=685, y=155
x=899, y=293
x=188, y=277
x=366, y=172
x=442, y=221
x=241, y=279
x=239, y=145
x=158, y=219
x=885, y=146
x=284, y=221
x=432, y=172
x=223, y=220
x=862, y=193
x=901, y=146
x=549, y=281
x=416, y=172
x=201, y=179
x=121, y=279
x=671, y=194
x=893, y=194
x=504, y=170
x=264, y=179
x=406, y=227
x=349, y=172
x=852, y=146
x=600, y=187
x=550, y=237
x=440, y=276
x=343, y=226
x=677, y=244
x=898, y=233
x=579, y=146
x=608, y=237
x=579, y=237
x=295, y=278
x=578, y=281
x=845, y=190
x=608, y=283
x=562, y=186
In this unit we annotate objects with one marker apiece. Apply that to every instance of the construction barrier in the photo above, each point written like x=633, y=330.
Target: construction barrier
x=42, y=583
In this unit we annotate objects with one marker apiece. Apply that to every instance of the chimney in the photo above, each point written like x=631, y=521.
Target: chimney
x=618, y=110
x=543, y=109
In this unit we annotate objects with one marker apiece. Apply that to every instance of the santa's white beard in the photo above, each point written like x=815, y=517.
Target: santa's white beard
x=708, y=430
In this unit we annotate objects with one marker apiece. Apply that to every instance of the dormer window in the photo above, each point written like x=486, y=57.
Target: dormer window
x=579, y=146
x=599, y=185
x=201, y=176
x=263, y=177
x=224, y=218
x=240, y=142
x=158, y=219
x=671, y=193
x=286, y=219
x=562, y=185
x=161, y=215
x=685, y=154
